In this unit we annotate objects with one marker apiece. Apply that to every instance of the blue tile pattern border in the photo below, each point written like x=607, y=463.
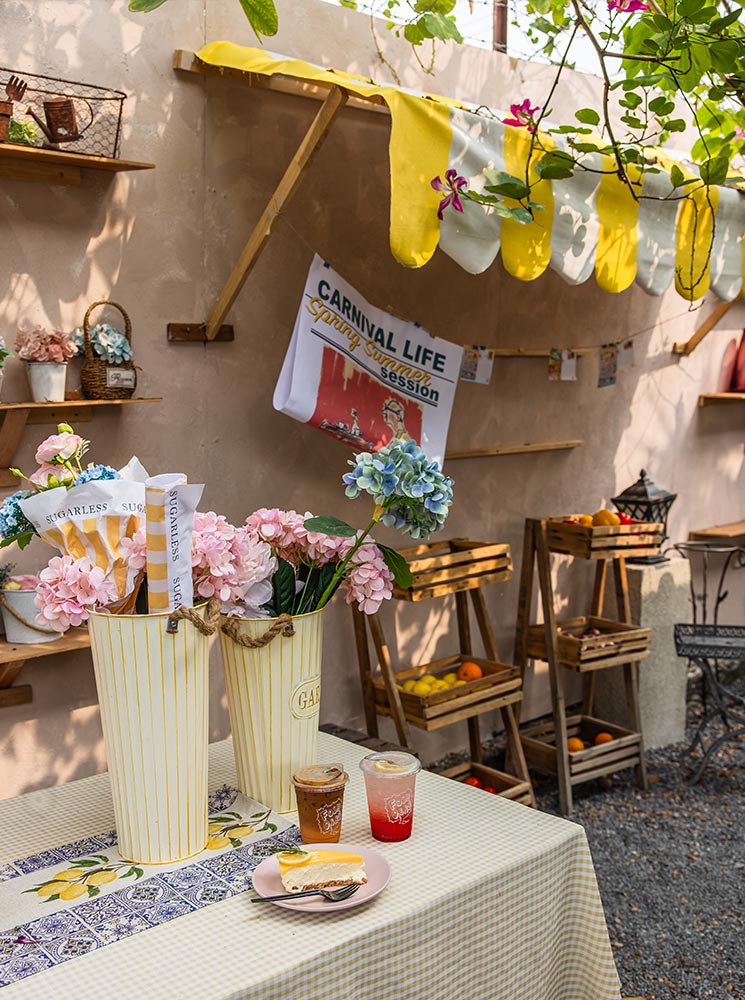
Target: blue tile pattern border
x=58, y=937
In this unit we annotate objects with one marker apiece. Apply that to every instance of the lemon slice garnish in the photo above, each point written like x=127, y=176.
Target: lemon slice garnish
x=390, y=767
x=293, y=858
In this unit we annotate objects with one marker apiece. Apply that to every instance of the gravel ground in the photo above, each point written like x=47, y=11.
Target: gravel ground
x=671, y=869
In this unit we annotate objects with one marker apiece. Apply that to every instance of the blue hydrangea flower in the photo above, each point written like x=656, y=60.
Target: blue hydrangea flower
x=107, y=343
x=412, y=488
x=12, y=519
x=95, y=472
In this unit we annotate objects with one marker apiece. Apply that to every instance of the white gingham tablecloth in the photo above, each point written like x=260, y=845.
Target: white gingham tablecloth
x=488, y=900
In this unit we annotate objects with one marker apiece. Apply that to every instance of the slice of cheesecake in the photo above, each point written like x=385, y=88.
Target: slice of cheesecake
x=300, y=870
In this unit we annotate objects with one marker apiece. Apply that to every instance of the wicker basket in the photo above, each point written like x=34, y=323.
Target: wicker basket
x=98, y=378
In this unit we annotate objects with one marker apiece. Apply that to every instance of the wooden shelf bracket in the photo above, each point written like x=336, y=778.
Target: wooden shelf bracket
x=288, y=185
x=686, y=347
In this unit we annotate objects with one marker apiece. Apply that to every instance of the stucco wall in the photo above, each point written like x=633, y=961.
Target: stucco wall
x=161, y=243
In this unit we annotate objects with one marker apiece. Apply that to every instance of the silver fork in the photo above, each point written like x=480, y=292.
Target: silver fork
x=333, y=895
x=15, y=88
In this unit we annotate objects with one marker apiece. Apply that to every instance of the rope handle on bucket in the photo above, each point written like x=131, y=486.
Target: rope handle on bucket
x=281, y=625
x=208, y=625
x=22, y=620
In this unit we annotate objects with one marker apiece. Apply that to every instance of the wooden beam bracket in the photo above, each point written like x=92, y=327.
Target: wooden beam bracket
x=196, y=333
x=514, y=449
x=686, y=347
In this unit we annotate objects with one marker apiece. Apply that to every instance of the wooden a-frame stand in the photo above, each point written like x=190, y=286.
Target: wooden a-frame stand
x=546, y=745
x=505, y=695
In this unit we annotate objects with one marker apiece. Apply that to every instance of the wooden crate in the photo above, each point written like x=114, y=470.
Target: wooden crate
x=507, y=786
x=441, y=568
x=640, y=538
x=500, y=685
x=618, y=643
x=539, y=744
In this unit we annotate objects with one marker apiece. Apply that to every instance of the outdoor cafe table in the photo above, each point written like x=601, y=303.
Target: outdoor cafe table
x=488, y=900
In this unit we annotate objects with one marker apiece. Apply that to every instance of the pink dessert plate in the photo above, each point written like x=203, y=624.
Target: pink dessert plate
x=266, y=881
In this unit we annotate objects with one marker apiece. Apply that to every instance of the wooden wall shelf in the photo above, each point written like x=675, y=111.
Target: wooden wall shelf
x=714, y=398
x=54, y=166
x=514, y=449
x=15, y=416
x=13, y=656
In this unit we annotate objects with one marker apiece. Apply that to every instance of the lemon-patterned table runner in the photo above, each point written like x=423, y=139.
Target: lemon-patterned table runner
x=76, y=898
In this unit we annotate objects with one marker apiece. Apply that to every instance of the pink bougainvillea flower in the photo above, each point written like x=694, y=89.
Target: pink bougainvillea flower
x=453, y=184
x=627, y=6
x=739, y=133
x=523, y=115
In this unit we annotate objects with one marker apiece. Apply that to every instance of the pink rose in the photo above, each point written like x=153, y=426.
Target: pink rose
x=61, y=446
x=45, y=471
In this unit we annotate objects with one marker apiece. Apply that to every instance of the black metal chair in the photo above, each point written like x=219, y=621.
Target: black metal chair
x=706, y=643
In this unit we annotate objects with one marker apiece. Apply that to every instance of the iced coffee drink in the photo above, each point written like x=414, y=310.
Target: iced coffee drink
x=319, y=791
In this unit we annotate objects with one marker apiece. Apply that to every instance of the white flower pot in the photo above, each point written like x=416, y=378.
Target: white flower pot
x=153, y=689
x=47, y=381
x=274, y=702
x=18, y=618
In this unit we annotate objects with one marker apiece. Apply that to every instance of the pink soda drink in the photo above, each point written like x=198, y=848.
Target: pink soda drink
x=390, y=778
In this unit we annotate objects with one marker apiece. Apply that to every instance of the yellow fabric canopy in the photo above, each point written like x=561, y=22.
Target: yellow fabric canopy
x=587, y=224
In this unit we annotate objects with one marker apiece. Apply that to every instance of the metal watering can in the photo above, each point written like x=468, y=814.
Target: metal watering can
x=61, y=120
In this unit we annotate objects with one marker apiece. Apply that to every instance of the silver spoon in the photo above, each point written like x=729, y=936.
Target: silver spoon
x=333, y=895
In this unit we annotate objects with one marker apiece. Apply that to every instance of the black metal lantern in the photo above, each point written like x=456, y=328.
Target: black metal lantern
x=645, y=501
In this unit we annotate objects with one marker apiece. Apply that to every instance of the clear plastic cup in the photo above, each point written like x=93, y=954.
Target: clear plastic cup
x=390, y=778
x=319, y=790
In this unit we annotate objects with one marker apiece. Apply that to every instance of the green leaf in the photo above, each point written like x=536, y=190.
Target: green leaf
x=661, y=105
x=521, y=215
x=128, y=873
x=143, y=6
x=588, y=116
x=500, y=182
x=442, y=27
x=87, y=863
x=677, y=177
x=397, y=565
x=352, y=4
x=93, y=890
x=434, y=6
x=686, y=8
x=328, y=525
x=139, y=872
x=283, y=587
x=675, y=125
x=714, y=171
x=22, y=539
x=262, y=16
x=553, y=171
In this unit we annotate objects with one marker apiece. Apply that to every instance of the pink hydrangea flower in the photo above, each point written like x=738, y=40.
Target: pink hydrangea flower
x=254, y=568
x=68, y=590
x=369, y=581
x=212, y=556
x=523, y=115
x=134, y=550
x=627, y=6
x=45, y=345
x=59, y=446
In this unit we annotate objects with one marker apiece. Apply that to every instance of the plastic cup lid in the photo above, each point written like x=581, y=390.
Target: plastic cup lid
x=321, y=776
x=390, y=764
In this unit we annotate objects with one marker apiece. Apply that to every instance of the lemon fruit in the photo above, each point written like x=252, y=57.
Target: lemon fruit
x=605, y=518
x=293, y=858
x=409, y=685
x=52, y=888
x=73, y=891
x=390, y=767
x=421, y=687
x=68, y=874
x=215, y=827
x=457, y=684
x=450, y=678
x=428, y=678
x=585, y=520
x=101, y=878
x=439, y=686
x=216, y=843
x=241, y=831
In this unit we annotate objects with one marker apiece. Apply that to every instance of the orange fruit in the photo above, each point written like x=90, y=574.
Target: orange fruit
x=574, y=744
x=603, y=738
x=469, y=671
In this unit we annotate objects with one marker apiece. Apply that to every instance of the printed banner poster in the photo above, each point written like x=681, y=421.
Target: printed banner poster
x=362, y=375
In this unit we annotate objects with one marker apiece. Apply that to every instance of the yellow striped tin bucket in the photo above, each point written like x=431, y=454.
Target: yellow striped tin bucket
x=274, y=695
x=153, y=688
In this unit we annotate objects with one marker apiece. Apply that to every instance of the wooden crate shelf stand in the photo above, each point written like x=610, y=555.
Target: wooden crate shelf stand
x=460, y=567
x=566, y=645
x=505, y=785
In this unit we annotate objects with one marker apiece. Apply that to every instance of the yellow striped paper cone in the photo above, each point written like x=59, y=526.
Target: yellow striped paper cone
x=274, y=695
x=153, y=688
